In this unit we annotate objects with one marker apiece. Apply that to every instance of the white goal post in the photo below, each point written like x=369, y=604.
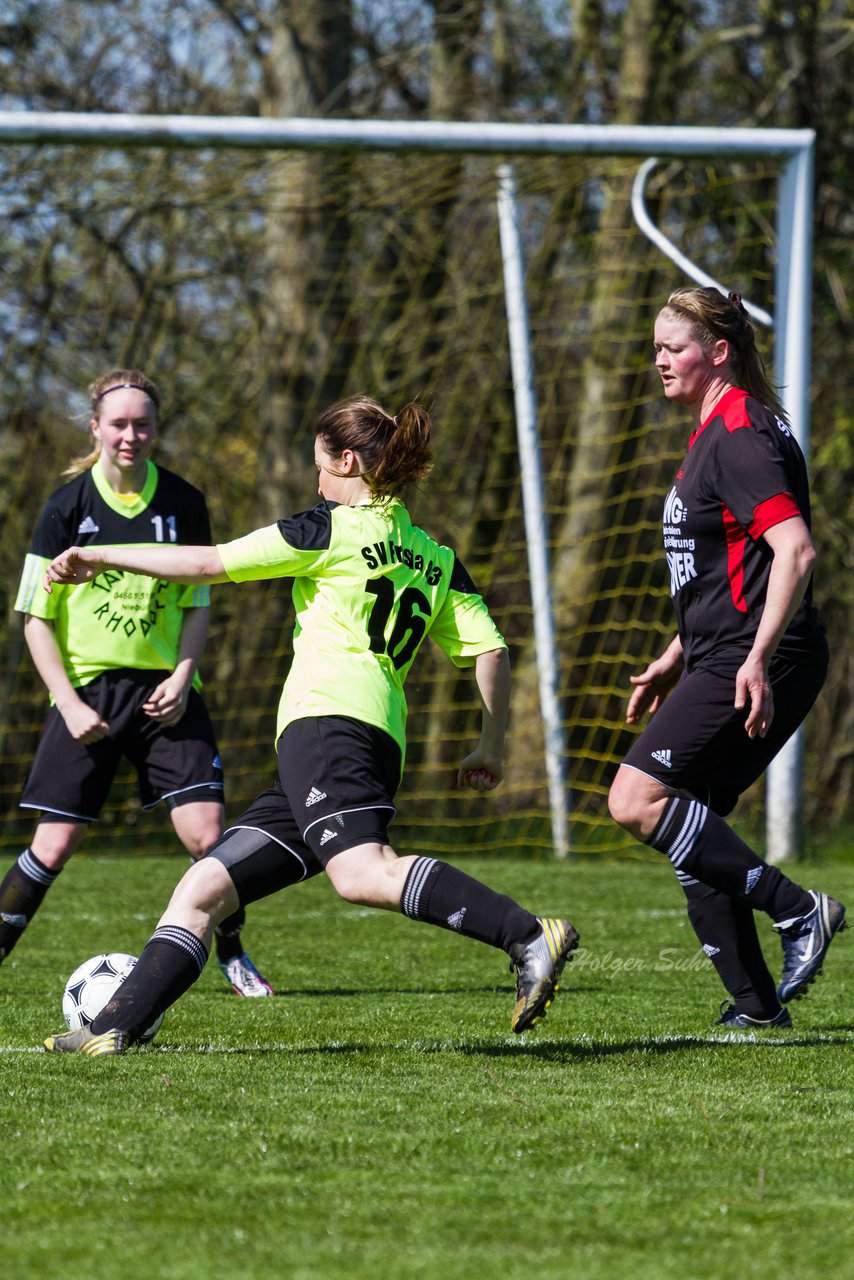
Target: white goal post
x=793, y=150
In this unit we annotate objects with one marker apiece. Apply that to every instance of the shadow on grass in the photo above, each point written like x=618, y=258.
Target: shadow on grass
x=558, y=1051
x=488, y=989
x=420, y=990
x=659, y=1046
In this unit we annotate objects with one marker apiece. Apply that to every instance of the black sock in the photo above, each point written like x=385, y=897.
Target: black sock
x=442, y=895
x=21, y=894
x=702, y=845
x=171, y=962
x=727, y=933
x=227, y=936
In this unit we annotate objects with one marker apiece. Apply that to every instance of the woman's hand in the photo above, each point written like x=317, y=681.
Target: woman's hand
x=481, y=771
x=653, y=685
x=82, y=721
x=753, y=690
x=71, y=567
x=168, y=701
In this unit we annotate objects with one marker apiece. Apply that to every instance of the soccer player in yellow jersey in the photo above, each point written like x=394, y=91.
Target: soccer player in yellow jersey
x=119, y=657
x=368, y=587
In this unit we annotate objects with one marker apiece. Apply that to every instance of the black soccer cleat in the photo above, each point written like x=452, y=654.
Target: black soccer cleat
x=107, y=1044
x=735, y=1021
x=538, y=966
x=805, y=942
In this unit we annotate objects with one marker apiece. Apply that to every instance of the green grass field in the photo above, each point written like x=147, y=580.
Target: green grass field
x=378, y=1118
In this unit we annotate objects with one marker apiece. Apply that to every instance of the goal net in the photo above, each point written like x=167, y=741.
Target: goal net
x=257, y=287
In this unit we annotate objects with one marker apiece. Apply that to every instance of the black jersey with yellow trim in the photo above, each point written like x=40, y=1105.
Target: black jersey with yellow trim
x=86, y=512
x=118, y=620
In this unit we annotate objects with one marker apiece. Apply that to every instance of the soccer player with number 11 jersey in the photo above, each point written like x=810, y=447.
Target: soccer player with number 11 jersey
x=119, y=657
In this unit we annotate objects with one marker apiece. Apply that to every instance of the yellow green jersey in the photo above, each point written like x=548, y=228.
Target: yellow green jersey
x=368, y=587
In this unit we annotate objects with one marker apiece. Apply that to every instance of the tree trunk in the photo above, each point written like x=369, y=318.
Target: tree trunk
x=307, y=313
x=305, y=310
x=620, y=280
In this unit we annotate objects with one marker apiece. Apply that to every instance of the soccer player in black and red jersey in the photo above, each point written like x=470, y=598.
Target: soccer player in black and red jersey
x=746, y=665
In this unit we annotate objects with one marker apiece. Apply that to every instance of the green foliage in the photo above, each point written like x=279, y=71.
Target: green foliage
x=378, y=1119
x=257, y=287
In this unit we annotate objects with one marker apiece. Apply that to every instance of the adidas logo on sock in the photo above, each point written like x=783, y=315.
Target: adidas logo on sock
x=710, y=950
x=752, y=877
x=15, y=920
x=327, y=835
x=663, y=757
x=456, y=920
x=88, y=526
x=313, y=796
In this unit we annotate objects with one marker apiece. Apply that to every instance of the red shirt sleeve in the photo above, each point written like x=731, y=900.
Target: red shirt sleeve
x=772, y=511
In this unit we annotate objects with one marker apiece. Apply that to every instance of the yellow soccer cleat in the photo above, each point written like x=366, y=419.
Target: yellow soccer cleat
x=538, y=966
x=107, y=1044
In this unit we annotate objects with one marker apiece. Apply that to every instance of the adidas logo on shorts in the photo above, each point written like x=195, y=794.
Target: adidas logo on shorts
x=663, y=757
x=313, y=796
x=327, y=836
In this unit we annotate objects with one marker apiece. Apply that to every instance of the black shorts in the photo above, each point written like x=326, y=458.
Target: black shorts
x=696, y=741
x=177, y=763
x=335, y=790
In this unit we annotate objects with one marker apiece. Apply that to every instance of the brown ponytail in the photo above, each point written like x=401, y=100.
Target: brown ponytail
x=395, y=451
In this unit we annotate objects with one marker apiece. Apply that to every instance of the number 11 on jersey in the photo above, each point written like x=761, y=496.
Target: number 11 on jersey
x=160, y=527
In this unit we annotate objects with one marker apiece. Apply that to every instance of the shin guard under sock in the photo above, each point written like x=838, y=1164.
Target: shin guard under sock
x=21, y=894
x=227, y=936
x=727, y=933
x=171, y=962
x=700, y=844
x=442, y=895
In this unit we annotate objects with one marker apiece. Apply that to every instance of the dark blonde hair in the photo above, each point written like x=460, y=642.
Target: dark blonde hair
x=115, y=380
x=395, y=450
x=710, y=316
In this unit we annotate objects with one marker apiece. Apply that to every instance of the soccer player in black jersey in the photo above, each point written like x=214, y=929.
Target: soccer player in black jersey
x=119, y=656
x=746, y=665
x=368, y=587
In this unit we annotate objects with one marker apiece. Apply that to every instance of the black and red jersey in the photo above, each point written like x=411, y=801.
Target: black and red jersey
x=743, y=473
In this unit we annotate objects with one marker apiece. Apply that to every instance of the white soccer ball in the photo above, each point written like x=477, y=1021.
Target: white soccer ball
x=92, y=985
